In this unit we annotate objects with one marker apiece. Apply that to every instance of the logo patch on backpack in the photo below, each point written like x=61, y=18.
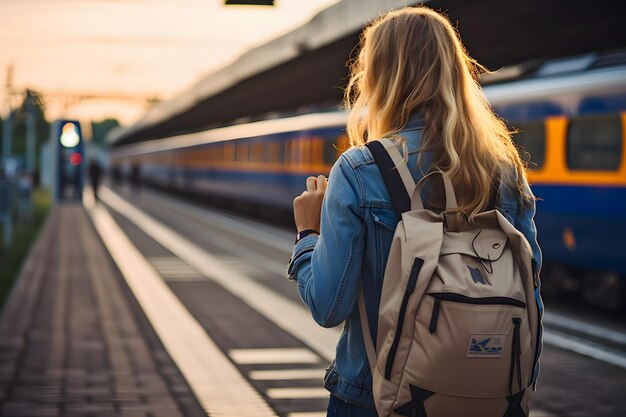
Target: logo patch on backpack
x=485, y=346
x=477, y=277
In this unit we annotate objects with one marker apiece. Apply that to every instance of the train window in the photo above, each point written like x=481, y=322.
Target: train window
x=264, y=152
x=294, y=152
x=343, y=144
x=317, y=151
x=306, y=154
x=531, y=143
x=242, y=152
x=217, y=153
x=594, y=143
x=330, y=151
x=258, y=152
x=229, y=151
x=274, y=152
x=287, y=155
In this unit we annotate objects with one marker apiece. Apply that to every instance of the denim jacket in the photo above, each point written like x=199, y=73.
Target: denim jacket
x=357, y=226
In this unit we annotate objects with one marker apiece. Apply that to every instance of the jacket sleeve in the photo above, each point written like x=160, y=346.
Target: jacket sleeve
x=525, y=223
x=328, y=267
x=520, y=212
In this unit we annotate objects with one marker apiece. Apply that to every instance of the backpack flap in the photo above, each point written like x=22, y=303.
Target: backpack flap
x=478, y=263
x=489, y=244
x=486, y=244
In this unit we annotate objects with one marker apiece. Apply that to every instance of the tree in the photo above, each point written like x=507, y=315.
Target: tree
x=99, y=130
x=34, y=99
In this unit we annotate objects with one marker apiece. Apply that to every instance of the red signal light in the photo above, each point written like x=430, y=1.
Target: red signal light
x=75, y=159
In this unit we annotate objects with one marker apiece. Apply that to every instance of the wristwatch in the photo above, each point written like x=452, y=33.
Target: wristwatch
x=305, y=233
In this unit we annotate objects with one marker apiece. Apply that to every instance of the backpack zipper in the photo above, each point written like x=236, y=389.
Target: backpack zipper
x=516, y=351
x=460, y=298
x=539, y=327
x=435, y=316
x=410, y=287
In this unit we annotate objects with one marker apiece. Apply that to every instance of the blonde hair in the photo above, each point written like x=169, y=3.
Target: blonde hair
x=412, y=61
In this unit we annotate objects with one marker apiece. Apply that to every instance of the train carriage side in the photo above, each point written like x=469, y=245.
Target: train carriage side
x=242, y=170
x=262, y=171
x=576, y=140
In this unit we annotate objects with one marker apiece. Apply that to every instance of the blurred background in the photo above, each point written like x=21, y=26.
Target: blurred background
x=206, y=117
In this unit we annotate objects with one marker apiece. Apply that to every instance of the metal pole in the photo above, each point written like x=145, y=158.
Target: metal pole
x=8, y=231
x=7, y=138
x=5, y=212
x=5, y=184
x=30, y=133
x=7, y=127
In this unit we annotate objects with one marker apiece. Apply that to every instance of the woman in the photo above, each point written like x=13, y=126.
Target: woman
x=412, y=81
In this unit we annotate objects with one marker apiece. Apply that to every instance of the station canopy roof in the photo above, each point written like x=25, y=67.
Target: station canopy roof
x=305, y=70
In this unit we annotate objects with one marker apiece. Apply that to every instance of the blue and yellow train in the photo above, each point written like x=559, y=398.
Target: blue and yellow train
x=571, y=115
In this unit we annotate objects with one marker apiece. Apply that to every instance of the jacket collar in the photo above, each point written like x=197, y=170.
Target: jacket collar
x=412, y=132
x=416, y=121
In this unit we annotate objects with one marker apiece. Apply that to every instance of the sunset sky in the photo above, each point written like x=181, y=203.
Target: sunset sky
x=130, y=49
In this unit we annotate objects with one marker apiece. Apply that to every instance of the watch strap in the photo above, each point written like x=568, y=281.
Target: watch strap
x=304, y=233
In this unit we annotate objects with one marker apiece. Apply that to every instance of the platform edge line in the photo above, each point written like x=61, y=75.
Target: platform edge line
x=291, y=317
x=199, y=359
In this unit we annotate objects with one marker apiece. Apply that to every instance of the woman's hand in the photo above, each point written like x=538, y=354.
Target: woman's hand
x=307, y=207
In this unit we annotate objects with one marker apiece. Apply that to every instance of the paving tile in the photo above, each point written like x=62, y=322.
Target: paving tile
x=27, y=409
x=133, y=412
x=164, y=411
x=189, y=408
x=73, y=342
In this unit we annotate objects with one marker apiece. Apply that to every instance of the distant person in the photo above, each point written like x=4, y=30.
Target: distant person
x=116, y=175
x=414, y=83
x=135, y=177
x=95, y=173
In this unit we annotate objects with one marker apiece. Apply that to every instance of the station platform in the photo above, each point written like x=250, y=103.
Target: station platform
x=72, y=340
x=145, y=305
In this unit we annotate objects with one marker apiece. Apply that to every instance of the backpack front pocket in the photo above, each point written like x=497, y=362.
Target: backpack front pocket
x=410, y=287
x=466, y=346
x=460, y=298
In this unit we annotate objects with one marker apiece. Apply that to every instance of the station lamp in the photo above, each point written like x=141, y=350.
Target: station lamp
x=69, y=136
x=250, y=2
x=66, y=167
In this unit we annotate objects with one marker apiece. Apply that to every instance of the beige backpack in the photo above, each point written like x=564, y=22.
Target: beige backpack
x=458, y=324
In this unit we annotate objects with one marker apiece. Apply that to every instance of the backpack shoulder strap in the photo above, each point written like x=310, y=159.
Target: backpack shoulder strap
x=397, y=177
x=494, y=199
x=370, y=348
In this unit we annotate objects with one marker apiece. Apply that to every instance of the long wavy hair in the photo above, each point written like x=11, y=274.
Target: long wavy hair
x=412, y=61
